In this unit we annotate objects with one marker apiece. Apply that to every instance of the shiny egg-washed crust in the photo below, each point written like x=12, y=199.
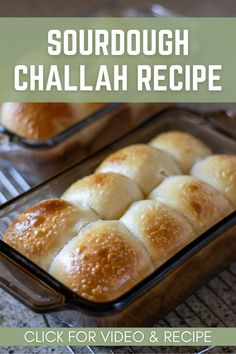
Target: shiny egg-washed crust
x=144, y=164
x=220, y=172
x=201, y=204
x=183, y=147
x=108, y=194
x=161, y=229
x=103, y=262
x=40, y=232
x=43, y=120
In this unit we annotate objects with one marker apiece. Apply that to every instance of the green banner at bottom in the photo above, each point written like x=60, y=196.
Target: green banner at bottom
x=117, y=336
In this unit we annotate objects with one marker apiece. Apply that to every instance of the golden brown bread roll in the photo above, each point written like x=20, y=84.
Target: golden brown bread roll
x=102, y=262
x=108, y=194
x=185, y=148
x=220, y=172
x=40, y=232
x=43, y=120
x=161, y=229
x=144, y=164
x=201, y=204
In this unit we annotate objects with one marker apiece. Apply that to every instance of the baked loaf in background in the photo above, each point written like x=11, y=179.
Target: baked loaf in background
x=38, y=121
x=220, y=172
x=102, y=237
x=41, y=122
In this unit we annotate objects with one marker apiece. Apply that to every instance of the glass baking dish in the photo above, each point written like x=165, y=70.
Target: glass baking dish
x=46, y=158
x=160, y=291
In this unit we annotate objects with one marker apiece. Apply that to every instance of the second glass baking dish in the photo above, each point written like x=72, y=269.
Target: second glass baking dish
x=159, y=292
x=38, y=160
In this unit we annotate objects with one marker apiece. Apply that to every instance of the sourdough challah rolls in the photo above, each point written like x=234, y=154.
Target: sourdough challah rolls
x=43, y=120
x=41, y=231
x=144, y=164
x=80, y=240
x=185, y=148
x=161, y=229
x=220, y=172
x=108, y=194
x=102, y=262
x=197, y=201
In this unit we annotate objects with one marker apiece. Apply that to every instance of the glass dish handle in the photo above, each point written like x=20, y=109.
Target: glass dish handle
x=24, y=286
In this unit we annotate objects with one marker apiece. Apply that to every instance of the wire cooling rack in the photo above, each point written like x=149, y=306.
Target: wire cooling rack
x=213, y=305
x=11, y=184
